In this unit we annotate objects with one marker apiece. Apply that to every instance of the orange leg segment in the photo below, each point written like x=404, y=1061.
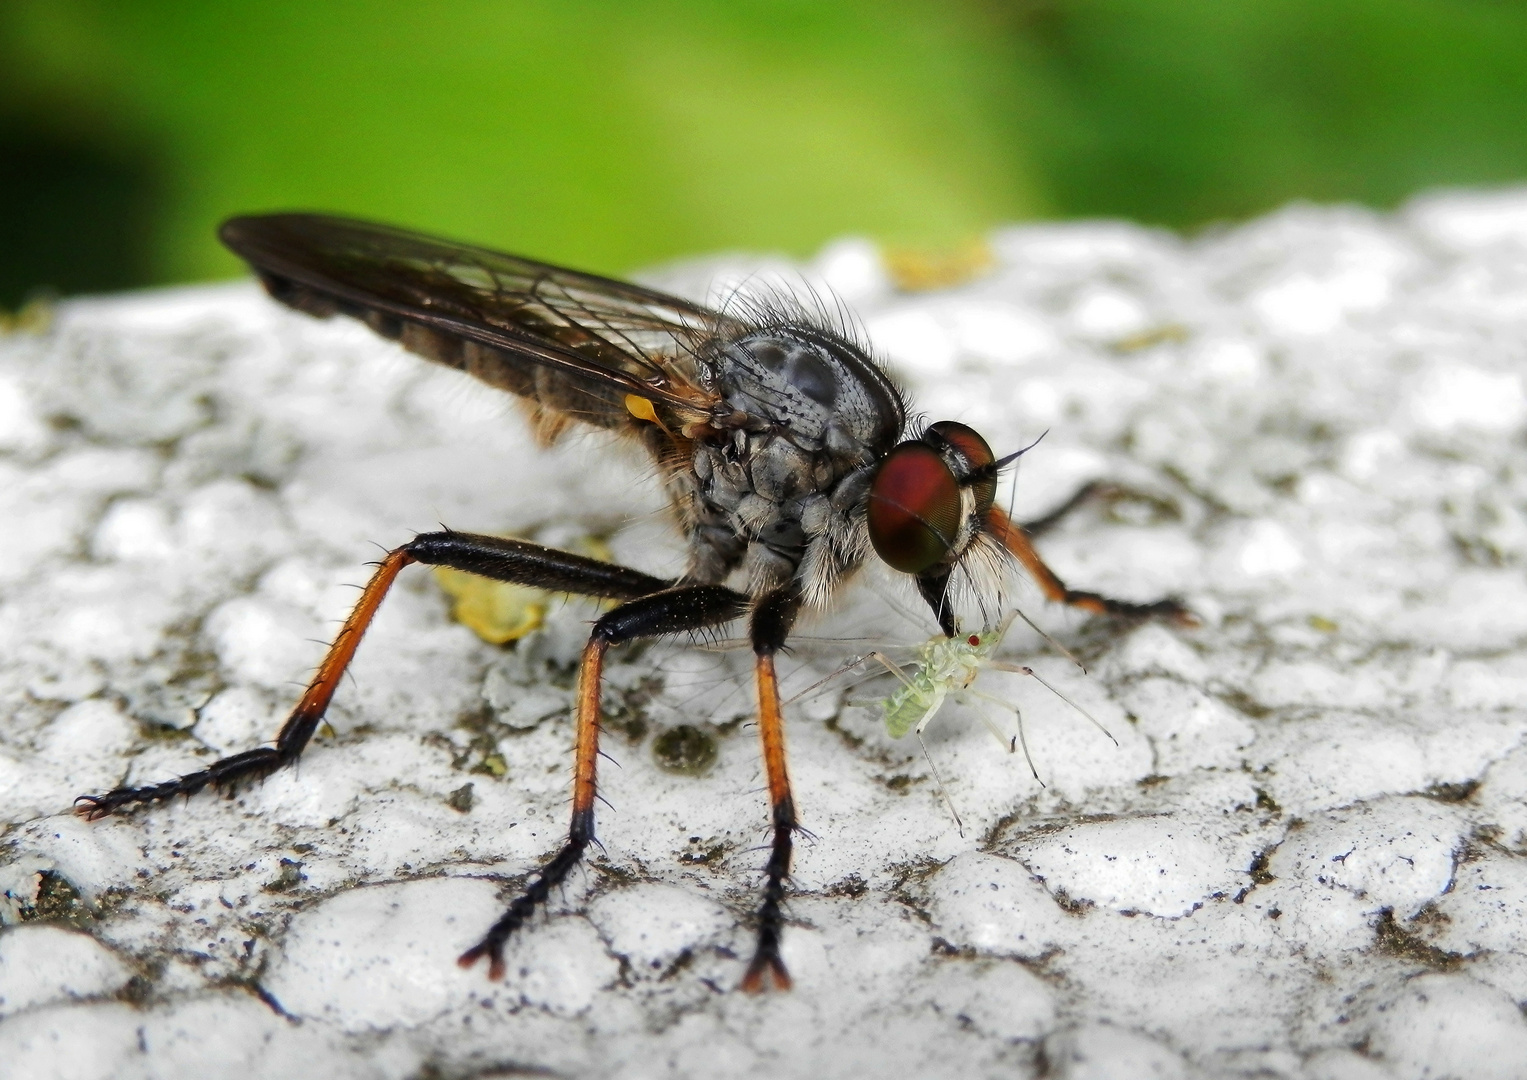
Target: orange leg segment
x=304, y=720
x=586, y=749
x=580, y=833
x=1012, y=537
x=493, y=557
x=771, y=732
x=256, y=764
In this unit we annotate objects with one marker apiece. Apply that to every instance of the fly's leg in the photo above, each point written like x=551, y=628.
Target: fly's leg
x=773, y=616
x=1093, y=489
x=672, y=611
x=229, y=772
x=1013, y=537
x=494, y=557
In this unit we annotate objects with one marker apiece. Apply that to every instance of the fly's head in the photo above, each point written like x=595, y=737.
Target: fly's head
x=929, y=514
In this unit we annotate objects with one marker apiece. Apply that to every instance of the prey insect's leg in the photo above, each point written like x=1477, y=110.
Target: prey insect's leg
x=671, y=611
x=773, y=617
x=892, y=666
x=1013, y=537
x=1020, y=738
x=847, y=666
x=490, y=556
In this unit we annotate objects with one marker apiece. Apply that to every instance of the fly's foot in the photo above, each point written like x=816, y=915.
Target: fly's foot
x=1169, y=611
x=771, y=913
x=226, y=775
x=491, y=946
x=552, y=874
x=766, y=961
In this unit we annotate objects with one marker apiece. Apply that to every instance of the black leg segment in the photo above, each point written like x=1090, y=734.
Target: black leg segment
x=772, y=620
x=523, y=563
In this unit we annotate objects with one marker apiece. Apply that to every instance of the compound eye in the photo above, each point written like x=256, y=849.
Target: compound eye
x=974, y=450
x=914, y=508
x=966, y=440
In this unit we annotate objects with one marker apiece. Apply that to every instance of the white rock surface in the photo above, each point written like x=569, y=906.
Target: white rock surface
x=1306, y=858
x=43, y=963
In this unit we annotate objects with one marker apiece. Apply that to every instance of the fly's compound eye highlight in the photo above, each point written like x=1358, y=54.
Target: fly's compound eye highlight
x=914, y=508
x=968, y=444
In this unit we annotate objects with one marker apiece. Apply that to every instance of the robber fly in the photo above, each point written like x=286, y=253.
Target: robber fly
x=783, y=448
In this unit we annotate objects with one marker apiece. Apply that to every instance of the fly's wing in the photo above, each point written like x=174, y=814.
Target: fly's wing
x=577, y=346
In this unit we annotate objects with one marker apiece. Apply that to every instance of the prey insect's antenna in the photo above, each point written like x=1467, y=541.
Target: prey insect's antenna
x=1057, y=646
x=1020, y=669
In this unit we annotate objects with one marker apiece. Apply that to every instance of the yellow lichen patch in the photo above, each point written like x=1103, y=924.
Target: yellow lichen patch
x=498, y=611
x=1170, y=333
x=33, y=317
x=493, y=765
x=495, y=611
x=913, y=270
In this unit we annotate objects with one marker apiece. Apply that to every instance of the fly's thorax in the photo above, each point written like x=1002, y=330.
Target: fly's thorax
x=781, y=505
x=819, y=387
x=786, y=468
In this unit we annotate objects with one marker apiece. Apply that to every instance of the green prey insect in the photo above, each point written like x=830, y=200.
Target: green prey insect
x=944, y=665
x=947, y=667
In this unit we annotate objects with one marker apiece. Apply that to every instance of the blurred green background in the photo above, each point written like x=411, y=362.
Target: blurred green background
x=609, y=135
